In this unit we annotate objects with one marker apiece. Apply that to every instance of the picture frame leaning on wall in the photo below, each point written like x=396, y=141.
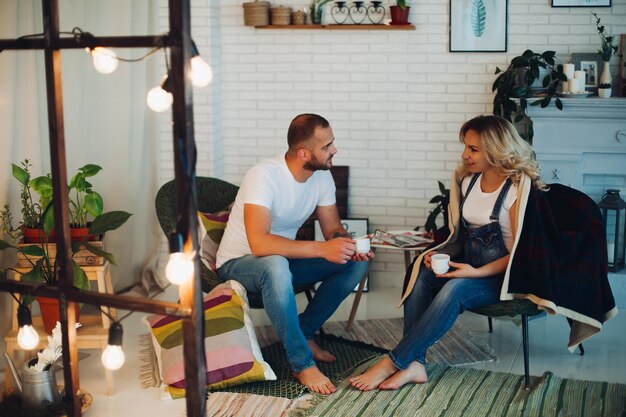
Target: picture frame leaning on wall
x=591, y=63
x=581, y=3
x=478, y=25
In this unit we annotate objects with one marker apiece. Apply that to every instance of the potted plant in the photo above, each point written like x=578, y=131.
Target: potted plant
x=606, y=51
x=41, y=256
x=517, y=83
x=37, y=216
x=441, y=202
x=83, y=202
x=399, y=13
x=604, y=90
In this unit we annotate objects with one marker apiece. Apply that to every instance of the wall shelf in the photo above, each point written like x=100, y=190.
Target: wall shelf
x=340, y=27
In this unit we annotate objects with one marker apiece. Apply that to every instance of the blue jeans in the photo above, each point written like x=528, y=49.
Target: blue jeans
x=274, y=277
x=432, y=308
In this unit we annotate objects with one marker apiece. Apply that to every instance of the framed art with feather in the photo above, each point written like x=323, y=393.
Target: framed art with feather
x=478, y=25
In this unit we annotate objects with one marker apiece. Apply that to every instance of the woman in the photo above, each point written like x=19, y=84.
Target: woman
x=495, y=162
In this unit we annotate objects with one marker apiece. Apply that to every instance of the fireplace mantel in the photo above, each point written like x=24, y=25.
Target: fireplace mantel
x=584, y=146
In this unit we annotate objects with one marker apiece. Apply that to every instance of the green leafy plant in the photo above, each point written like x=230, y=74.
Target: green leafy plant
x=604, y=85
x=607, y=49
x=441, y=202
x=317, y=6
x=83, y=200
x=514, y=83
x=35, y=214
x=401, y=4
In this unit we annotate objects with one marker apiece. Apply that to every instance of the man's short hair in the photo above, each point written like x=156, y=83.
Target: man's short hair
x=302, y=128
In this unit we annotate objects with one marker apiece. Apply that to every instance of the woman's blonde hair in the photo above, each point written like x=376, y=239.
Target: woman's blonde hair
x=503, y=148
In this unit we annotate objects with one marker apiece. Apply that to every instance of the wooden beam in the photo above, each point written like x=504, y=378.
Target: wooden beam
x=56, y=132
x=97, y=298
x=186, y=204
x=152, y=41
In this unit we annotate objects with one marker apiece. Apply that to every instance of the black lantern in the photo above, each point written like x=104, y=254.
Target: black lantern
x=614, y=213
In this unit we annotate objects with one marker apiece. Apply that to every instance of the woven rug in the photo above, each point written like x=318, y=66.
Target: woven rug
x=349, y=354
x=453, y=391
x=457, y=347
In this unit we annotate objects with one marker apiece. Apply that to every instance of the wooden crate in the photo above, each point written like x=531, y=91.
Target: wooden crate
x=82, y=257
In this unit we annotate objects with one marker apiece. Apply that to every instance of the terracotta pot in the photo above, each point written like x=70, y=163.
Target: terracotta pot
x=37, y=235
x=50, y=312
x=78, y=234
x=399, y=16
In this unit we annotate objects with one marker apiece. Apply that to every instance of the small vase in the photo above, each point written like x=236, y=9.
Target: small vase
x=604, y=92
x=605, y=77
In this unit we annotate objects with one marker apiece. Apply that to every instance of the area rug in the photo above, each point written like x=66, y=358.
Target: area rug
x=457, y=347
x=349, y=355
x=454, y=391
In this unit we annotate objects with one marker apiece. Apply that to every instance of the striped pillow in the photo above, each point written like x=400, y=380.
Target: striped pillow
x=210, y=231
x=232, y=352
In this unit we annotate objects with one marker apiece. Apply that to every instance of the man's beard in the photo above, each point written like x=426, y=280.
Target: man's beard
x=315, y=165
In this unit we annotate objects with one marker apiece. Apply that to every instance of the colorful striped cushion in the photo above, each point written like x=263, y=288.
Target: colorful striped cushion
x=232, y=352
x=210, y=231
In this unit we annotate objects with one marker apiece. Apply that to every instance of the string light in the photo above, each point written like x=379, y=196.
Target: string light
x=104, y=59
x=27, y=337
x=201, y=72
x=113, y=356
x=180, y=267
x=159, y=98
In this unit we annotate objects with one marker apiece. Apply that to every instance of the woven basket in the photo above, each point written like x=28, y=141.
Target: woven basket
x=297, y=18
x=281, y=16
x=256, y=13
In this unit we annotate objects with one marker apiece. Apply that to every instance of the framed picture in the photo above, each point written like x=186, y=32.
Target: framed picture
x=356, y=228
x=591, y=63
x=478, y=25
x=581, y=3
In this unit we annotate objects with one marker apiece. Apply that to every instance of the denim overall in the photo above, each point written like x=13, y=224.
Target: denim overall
x=485, y=244
x=435, y=303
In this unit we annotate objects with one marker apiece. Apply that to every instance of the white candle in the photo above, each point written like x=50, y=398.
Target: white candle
x=568, y=70
x=610, y=248
x=565, y=87
x=573, y=85
x=580, y=76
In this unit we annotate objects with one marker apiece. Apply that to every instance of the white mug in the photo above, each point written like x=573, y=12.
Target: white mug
x=362, y=245
x=439, y=263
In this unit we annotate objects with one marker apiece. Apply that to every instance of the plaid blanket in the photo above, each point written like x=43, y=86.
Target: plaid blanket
x=560, y=260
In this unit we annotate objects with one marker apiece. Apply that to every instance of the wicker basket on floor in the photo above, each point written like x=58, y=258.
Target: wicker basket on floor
x=256, y=13
x=281, y=16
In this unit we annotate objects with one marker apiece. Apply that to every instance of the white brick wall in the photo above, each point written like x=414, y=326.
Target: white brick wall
x=395, y=99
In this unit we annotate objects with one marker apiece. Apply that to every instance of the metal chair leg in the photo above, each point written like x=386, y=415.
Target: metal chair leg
x=490, y=324
x=582, y=349
x=526, y=353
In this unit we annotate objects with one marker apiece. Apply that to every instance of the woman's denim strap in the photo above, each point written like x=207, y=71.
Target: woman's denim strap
x=495, y=214
x=464, y=197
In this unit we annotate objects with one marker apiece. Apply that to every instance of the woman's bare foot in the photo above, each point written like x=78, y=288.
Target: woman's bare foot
x=415, y=373
x=372, y=378
x=320, y=354
x=315, y=381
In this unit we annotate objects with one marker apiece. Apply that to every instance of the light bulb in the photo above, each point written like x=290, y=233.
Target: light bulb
x=201, y=72
x=27, y=337
x=179, y=268
x=113, y=357
x=158, y=99
x=104, y=59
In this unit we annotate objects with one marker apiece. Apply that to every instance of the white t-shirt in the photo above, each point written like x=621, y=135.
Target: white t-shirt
x=479, y=205
x=270, y=184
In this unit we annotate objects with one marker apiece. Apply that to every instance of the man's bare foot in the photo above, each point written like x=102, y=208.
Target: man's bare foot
x=320, y=354
x=372, y=378
x=415, y=373
x=315, y=381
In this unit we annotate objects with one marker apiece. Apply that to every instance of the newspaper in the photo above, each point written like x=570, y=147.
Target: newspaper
x=400, y=240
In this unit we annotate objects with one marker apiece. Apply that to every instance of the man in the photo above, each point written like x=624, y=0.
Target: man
x=260, y=251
